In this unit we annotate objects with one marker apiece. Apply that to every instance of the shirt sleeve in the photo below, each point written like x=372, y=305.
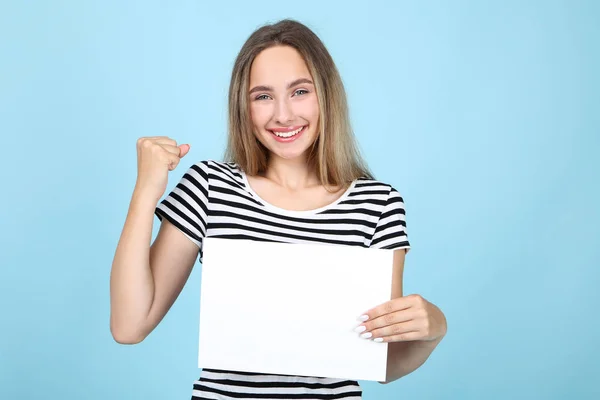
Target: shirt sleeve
x=186, y=206
x=390, y=232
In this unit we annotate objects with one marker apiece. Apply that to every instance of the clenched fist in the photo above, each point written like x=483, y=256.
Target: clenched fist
x=156, y=156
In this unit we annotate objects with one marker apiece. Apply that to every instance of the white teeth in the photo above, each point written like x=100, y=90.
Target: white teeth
x=288, y=134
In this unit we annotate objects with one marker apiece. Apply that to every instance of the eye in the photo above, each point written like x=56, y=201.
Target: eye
x=262, y=97
x=300, y=92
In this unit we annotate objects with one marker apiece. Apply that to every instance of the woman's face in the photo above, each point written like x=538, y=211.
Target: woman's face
x=283, y=103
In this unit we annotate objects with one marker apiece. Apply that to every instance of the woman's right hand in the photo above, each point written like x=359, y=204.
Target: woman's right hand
x=156, y=156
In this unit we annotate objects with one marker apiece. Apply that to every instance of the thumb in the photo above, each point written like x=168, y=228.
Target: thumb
x=183, y=150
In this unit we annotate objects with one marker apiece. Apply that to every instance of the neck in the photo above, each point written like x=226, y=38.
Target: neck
x=291, y=174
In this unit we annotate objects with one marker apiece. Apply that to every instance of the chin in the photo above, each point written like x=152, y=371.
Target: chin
x=291, y=155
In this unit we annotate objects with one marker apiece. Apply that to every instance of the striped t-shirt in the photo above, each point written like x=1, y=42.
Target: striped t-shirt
x=214, y=199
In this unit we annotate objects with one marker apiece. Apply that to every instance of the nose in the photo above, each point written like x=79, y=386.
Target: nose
x=283, y=113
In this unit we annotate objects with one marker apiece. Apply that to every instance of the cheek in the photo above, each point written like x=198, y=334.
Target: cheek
x=260, y=115
x=314, y=108
x=315, y=111
x=309, y=110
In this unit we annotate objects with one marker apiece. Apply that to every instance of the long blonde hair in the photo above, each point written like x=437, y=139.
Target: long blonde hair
x=335, y=155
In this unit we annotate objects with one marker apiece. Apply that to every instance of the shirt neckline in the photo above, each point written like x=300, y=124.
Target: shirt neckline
x=284, y=211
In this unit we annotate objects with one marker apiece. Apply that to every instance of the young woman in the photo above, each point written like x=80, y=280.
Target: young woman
x=292, y=174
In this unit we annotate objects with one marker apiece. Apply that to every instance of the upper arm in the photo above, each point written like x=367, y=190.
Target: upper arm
x=184, y=218
x=172, y=257
x=390, y=233
x=398, y=273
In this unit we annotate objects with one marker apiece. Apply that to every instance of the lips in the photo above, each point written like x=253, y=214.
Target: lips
x=288, y=134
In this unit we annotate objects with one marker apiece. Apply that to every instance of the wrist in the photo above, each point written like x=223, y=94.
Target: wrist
x=144, y=197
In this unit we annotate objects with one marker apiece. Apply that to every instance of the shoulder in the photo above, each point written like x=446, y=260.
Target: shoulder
x=214, y=166
x=210, y=171
x=382, y=192
x=374, y=186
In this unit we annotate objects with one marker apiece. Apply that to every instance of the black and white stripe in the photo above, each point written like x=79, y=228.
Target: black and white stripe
x=216, y=384
x=214, y=199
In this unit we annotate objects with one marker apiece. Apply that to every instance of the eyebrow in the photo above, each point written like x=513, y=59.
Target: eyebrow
x=270, y=89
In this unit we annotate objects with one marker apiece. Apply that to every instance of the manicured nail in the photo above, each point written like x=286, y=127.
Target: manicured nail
x=363, y=318
x=360, y=329
x=378, y=340
x=366, y=335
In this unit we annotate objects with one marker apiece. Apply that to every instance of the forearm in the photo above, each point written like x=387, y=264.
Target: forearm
x=131, y=281
x=406, y=357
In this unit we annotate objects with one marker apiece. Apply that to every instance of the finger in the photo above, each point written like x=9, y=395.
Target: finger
x=403, y=337
x=393, y=330
x=171, y=149
x=159, y=140
x=165, y=141
x=173, y=161
x=391, y=319
x=398, y=304
x=185, y=148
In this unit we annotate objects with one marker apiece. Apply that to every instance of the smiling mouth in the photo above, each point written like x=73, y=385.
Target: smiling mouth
x=288, y=134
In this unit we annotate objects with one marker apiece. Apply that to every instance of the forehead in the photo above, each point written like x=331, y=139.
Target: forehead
x=278, y=65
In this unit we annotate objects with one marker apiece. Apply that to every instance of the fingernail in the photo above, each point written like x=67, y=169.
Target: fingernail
x=378, y=340
x=360, y=329
x=366, y=335
x=363, y=318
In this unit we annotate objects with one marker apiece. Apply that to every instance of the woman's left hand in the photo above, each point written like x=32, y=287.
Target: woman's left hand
x=405, y=318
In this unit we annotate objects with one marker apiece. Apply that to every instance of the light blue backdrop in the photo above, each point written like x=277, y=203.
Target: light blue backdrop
x=485, y=115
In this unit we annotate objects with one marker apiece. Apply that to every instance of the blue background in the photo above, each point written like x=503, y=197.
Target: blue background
x=485, y=116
